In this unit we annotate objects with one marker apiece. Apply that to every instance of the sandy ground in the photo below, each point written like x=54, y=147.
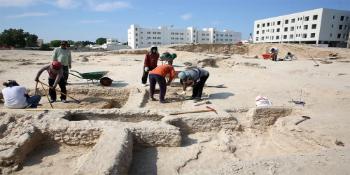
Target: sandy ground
x=53, y=159
x=308, y=148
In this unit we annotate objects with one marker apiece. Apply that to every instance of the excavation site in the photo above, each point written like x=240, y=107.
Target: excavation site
x=255, y=116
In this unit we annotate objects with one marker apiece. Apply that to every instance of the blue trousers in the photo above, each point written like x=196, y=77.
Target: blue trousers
x=33, y=101
x=153, y=79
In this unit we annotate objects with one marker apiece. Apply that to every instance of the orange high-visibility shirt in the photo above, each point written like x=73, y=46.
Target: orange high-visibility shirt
x=164, y=70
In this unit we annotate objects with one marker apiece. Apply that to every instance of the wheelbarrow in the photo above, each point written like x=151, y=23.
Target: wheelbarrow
x=89, y=75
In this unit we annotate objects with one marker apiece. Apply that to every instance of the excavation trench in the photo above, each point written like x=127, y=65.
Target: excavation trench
x=121, y=117
x=89, y=98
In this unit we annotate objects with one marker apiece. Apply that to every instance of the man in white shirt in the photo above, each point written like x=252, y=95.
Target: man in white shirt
x=16, y=97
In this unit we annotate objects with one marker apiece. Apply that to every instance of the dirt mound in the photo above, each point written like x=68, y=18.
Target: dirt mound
x=299, y=50
x=133, y=52
x=213, y=48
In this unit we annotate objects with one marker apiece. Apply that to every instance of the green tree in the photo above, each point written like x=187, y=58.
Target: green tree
x=82, y=43
x=55, y=43
x=13, y=38
x=31, y=40
x=101, y=41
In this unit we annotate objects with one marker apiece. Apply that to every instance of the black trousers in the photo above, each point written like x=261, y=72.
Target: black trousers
x=145, y=74
x=197, y=89
x=62, y=85
x=65, y=73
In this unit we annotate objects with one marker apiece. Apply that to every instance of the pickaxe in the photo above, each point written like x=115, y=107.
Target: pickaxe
x=209, y=109
x=304, y=118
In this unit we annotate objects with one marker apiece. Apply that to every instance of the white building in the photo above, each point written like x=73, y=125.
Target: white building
x=318, y=26
x=145, y=37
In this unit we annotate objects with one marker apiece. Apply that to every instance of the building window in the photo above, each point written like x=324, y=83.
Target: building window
x=277, y=37
x=286, y=29
x=342, y=18
x=263, y=25
x=278, y=22
x=284, y=36
x=332, y=25
x=333, y=17
x=331, y=35
x=306, y=18
x=339, y=35
x=290, y=36
x=268, y=24
x=340, y=27
x=278, y=30
x=304, y=35
x=286, y=21
x=148, y=32
x=312, y=35
x=315, y=17
x=314, y=26
x=257, y=32
x=291, y=28
x=293, y=20
x=271, y=37
x=258, y=25
x=305, y=27
x=263, y=31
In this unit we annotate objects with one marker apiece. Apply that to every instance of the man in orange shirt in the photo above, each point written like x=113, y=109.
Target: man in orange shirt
x=158, y=75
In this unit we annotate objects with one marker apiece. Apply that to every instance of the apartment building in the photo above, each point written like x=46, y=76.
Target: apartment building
x=318, y=26
x=139, y=37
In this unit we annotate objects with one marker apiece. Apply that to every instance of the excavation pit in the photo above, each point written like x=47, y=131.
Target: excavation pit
x=173, y=97
x=113, y=116
x=90, y=98
x=53, y=158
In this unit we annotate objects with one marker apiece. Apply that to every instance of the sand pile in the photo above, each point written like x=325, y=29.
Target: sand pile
x=135, y=52
x=213, y=48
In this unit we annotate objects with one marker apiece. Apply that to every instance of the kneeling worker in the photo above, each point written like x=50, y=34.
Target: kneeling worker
x=158, y=75
x=195, y=77
x=55, y=72
x=16, y=96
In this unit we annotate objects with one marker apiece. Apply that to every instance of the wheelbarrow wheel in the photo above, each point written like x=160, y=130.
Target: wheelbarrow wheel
x=106, y=81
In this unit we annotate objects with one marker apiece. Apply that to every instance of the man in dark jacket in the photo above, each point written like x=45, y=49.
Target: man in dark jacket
x=151, y=62
x=56, y=77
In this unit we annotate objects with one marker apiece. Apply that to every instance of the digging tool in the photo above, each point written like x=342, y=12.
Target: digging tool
x=217, y=86
x=60, y=92
x=46, y=94
x=304, y=118
x=36, y=89
x=209, y=109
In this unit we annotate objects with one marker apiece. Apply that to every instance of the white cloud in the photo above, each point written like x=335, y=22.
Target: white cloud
x=186, y=16
x=109, y=6
x=28, y=14
x=17, y=3
x=67, y=3
x=91, y=21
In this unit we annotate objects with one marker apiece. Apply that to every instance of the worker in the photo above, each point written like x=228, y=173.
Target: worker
x=158, y=75
x=195, y=77
x=55, y=71
x=151, y=62
x=16, y=96
x=63, y=55
x=274, y=53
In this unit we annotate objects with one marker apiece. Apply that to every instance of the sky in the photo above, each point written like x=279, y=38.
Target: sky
x=90, y=19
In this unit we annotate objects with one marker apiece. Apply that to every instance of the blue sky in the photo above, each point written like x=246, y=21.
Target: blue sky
x=90, y=19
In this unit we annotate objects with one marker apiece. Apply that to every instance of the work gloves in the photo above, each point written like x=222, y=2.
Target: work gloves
x=146, y=69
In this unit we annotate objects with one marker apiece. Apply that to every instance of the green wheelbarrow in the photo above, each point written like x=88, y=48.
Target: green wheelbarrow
x=89, y=75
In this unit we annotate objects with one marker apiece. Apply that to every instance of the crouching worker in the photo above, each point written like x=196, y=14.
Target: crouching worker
x=55, y=72
x=16, y=96
x=158, y=75
x=195, y=77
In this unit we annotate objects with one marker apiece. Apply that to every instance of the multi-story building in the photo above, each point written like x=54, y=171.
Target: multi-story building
x=349, y=40
x=318, y=26
x=139, y=37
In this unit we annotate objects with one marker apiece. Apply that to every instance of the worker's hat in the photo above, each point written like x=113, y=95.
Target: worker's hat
x=182, y=75
x=56, y=65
